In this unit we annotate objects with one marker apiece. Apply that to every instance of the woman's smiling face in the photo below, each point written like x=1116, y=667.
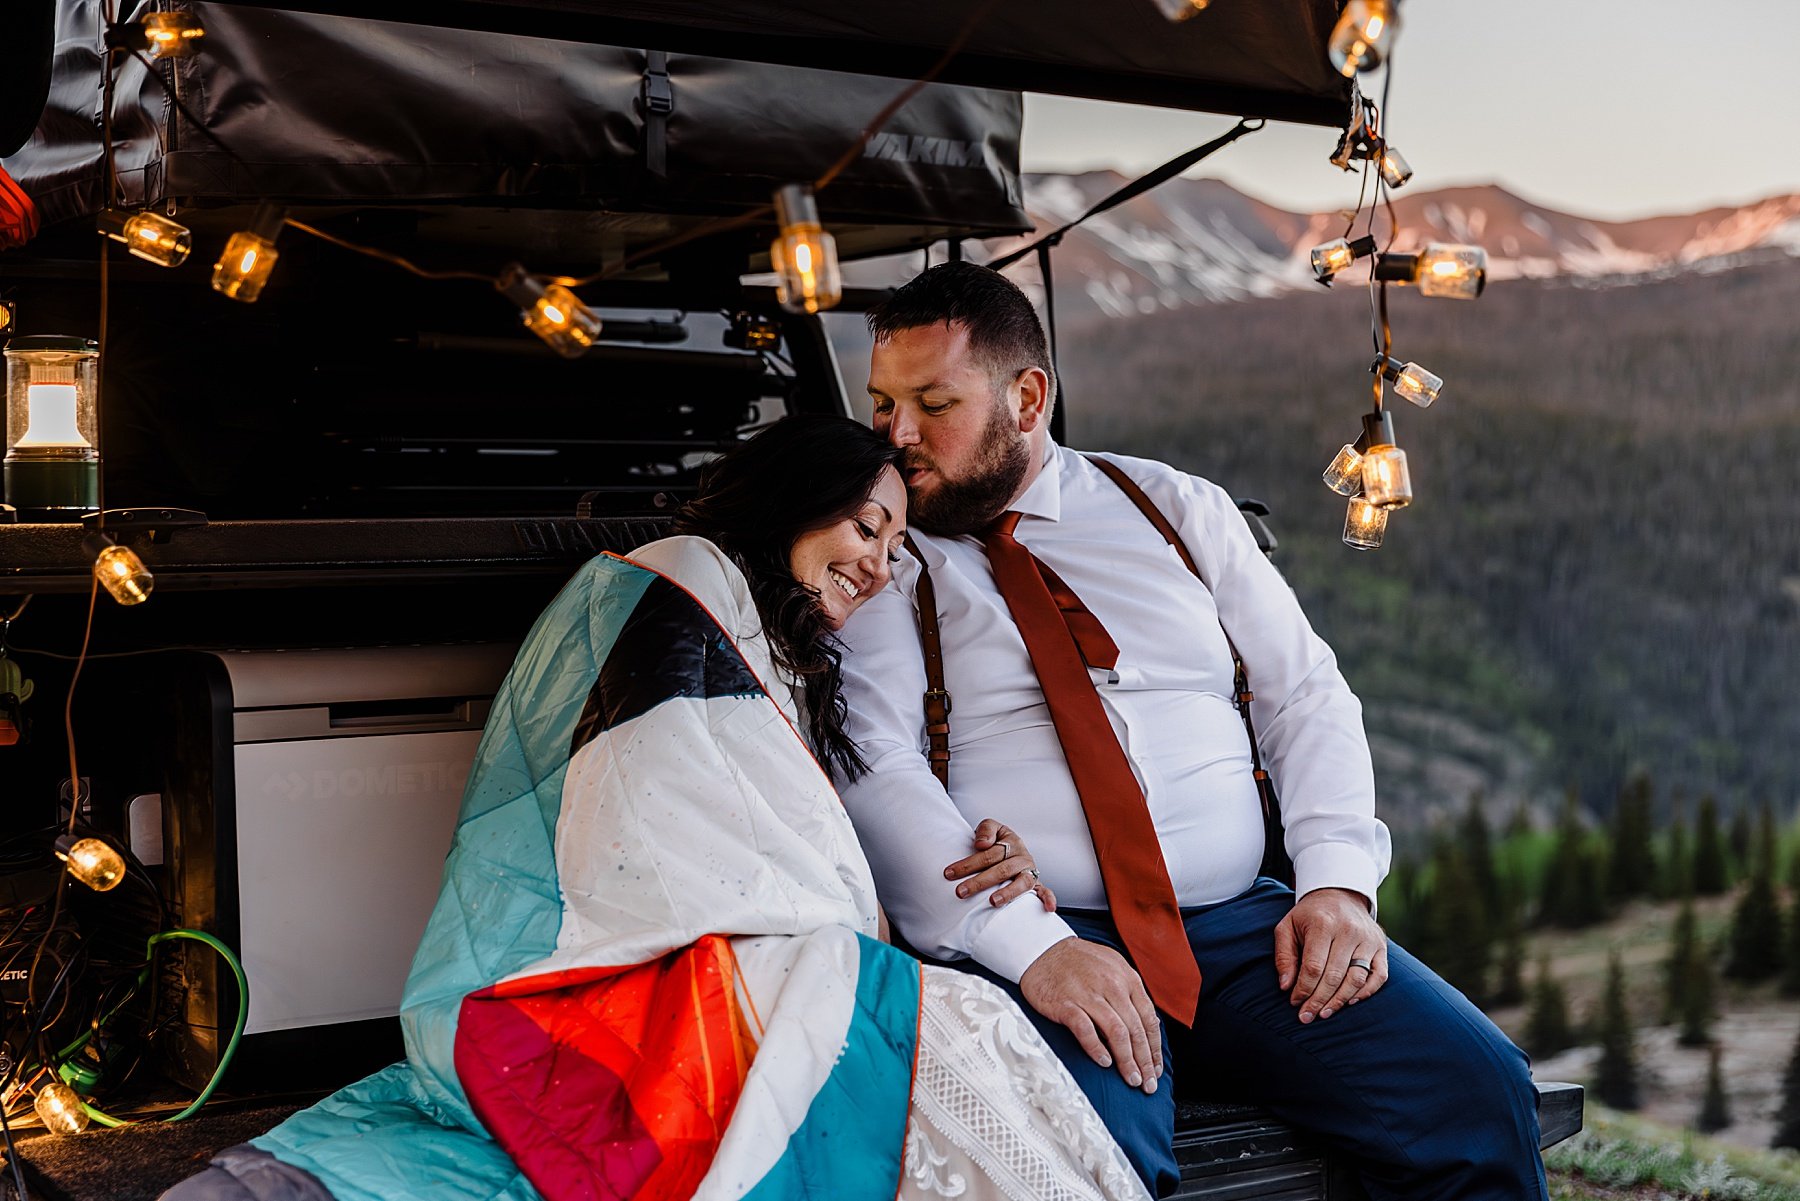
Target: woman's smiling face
x=849, y=560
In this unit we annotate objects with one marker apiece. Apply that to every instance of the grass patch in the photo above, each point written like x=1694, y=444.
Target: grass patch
x=1621, y=1156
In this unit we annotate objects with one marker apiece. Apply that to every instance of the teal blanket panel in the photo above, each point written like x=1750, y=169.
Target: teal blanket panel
x=852, y=1142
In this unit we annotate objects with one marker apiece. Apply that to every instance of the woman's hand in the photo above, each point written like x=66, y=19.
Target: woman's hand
x=1000, y=858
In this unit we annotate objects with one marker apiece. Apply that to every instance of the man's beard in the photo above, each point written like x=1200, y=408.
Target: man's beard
x=969, y=505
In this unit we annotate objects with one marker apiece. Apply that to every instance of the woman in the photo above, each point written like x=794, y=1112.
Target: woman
x=651, y=972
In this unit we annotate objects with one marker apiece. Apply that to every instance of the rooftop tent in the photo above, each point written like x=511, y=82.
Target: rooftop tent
x=1259, y=59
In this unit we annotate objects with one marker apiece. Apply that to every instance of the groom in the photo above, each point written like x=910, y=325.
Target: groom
x=1090, y=683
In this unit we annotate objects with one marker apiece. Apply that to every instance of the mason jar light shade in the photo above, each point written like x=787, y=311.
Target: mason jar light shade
x=1416, y=384
x=1364, y=31
x=804, y=256
x=52, y=461
x=1385, y=480
x=1344, y=476
x=59, y=1108
x=92, y=861
x=123, y=574
x=1364, y=524
x=552, y=312
x=1180, y=10
x=249, y=257
x=173, y=34
x=1395, y=170
x=1332, y=257
x=150, y=236
x=1448, y=270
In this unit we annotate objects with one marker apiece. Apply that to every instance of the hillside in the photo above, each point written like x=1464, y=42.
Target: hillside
x=1601, y=572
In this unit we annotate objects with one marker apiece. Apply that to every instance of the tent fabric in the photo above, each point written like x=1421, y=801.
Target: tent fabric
x=340, y=110
x=1264, y=59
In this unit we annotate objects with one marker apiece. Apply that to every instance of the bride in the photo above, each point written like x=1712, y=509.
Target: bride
x=655, y=968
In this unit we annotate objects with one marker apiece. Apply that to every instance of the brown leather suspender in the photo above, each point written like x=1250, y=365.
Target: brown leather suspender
x=937, y=700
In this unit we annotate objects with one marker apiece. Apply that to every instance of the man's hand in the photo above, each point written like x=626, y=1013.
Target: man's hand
x=1092, y=990
x=1314, y=945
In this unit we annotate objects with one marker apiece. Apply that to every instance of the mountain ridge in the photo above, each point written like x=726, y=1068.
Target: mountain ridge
x=1202, y=241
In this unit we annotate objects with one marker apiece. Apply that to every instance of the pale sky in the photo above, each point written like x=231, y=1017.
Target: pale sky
x=1606, y=108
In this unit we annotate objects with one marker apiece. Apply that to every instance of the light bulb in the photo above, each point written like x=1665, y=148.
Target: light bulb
x=172, y=34
x=804, y=256
x=1364, y=31
x=1337, y=254
x=1385, y=481
x=123, y=574
x=1449, y=270
x=91, y=861
x=9, y=315
x=1395, y=170
x=1181, y=10
x=552, y=312
x=1364, y=524
x=1344, y=476
x=60, y=1109
x=250, y=256
x=150, y=236
x=1413, y=382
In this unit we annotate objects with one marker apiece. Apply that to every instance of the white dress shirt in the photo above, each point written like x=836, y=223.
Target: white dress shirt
x=1170, y=708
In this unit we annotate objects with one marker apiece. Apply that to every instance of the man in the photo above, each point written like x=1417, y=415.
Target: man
x=1105, y=734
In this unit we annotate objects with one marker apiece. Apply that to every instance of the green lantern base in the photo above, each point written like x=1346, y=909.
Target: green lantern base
x=53, y=491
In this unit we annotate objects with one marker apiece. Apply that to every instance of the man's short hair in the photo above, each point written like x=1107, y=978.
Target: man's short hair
x=1004, y=332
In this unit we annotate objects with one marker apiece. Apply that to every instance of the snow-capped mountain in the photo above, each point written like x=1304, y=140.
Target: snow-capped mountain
x=1200, y=241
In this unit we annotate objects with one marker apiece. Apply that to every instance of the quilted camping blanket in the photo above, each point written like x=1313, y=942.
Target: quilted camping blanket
x=649, y=973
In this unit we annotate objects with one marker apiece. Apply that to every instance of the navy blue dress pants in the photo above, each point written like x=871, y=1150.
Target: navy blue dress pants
x=1416, y=1085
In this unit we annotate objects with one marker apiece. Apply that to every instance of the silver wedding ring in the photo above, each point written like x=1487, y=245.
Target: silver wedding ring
x=1005, y=849
x=1032, y=872
x=1364, y=964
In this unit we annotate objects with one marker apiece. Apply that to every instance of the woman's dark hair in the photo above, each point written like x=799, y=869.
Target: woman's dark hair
x=803, y=473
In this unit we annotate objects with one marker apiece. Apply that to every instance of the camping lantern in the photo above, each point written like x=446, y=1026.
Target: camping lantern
x=804, y=256
x=52, y=439
x=1385, y=480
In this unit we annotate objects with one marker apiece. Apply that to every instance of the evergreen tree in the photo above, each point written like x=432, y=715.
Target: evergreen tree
x=1575, y=883
x=1715, y=1108
x=1793, y=870
x=1520, y=825
x=1509, y=988
x=1476, y=845
x=1678, y=866
x=1547, y=1020
x=1458, y=938
x=1739, y=841
x=1756, y=943
x=1633, y=869
x=1684, y=947
x=1710, y=874
x=1697, y=999
x=1615, y=1076
x=1766, y=840
x=1787, y=1119
x=1790, y=975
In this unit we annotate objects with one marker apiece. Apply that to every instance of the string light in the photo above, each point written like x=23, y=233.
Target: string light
x=1395, y=170
x=1364, y=524
x=172, y=34
x=551, y=311
x=1181, y=10
x=804, y=256
x=1442, y=269
x=150, y=236
x=1336, y=255
x=250, y=256
x=1364, y=31
x=1410, y=380
x=1386, y=483
x=92, y=861
x=59, y=1107
x=1344, y=475
x=119, y=570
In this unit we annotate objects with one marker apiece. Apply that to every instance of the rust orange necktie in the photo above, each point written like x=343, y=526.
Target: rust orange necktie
x=1064, y=639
